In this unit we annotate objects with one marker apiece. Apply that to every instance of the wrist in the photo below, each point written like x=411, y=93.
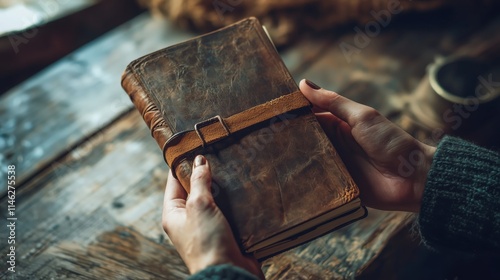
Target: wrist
x=218, y=258
x=421, y=178
x=206, y=260
x=211, y=259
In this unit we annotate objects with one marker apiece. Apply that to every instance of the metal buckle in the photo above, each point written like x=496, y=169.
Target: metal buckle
x=206, y=122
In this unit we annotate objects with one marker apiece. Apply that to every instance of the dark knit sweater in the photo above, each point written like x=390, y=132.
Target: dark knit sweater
x=461, y=204
x=460, y=208
x=223, y=272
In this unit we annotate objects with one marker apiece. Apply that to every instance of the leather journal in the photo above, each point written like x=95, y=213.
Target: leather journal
x=227, y=95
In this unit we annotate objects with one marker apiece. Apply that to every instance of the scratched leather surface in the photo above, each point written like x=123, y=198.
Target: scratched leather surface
x=266, y=179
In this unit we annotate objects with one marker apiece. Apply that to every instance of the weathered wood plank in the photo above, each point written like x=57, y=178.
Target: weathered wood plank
x=383, y=74
x=68, y=213
x=38, y=13
x=385, y=71
x=116, y=179
x=380, y=74
x=96, y=214
x=47, y=115
x=343, y=254
x=60, y=28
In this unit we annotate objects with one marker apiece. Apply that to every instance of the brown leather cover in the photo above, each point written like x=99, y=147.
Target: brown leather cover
x=219, y=128
x=266, y=179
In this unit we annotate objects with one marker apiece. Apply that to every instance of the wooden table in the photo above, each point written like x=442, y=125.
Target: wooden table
x=90, y=179
x=62, y=26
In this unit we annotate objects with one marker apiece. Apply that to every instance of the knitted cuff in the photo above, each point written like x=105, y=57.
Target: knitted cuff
x=461, y=200
x=223, y=272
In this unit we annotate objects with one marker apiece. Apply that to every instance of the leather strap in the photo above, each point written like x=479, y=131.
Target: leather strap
x=217, y=128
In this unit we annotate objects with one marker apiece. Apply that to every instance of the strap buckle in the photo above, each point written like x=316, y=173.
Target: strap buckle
x=210, y=121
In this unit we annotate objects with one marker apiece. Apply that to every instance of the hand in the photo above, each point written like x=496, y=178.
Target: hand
x=389, y=166
x=197, y=227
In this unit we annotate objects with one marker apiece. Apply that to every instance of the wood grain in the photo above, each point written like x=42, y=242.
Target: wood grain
x=97, y=211
x=56, y=110
x=96, y=214
x=48, y=115
x=64, y=26
x=344, y=253
x=92, y=178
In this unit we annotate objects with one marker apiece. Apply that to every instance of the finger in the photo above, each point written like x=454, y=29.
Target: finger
x=349, y=111
x=331, y=127
x=174, y=199
x=317, y=109
x=327, y=119
x=174, y=190
x=175, y=196
x=201, y=181
x=334, y=127
x=339, y=132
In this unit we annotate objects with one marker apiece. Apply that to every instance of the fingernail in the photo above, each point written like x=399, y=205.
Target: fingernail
x=312, y=85
x=199, y=160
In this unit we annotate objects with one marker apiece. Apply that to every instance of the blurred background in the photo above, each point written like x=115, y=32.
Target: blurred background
x=45, y=31
x=90, y=178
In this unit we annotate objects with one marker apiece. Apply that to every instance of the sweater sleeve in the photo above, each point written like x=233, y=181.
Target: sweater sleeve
x=223, y=272
x=460, y=208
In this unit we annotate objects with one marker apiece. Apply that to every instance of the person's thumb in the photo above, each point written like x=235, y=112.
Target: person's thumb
x=347, y=110
x=201, y=181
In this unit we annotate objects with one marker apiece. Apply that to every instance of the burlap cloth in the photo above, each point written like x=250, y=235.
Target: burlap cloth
x=286, y=19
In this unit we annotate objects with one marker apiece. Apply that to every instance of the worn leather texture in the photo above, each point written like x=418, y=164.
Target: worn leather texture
x=266, y=178
x=218, y=128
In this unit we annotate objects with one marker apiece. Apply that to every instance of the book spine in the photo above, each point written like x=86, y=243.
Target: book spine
x=153, y=118
x=146, y=107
